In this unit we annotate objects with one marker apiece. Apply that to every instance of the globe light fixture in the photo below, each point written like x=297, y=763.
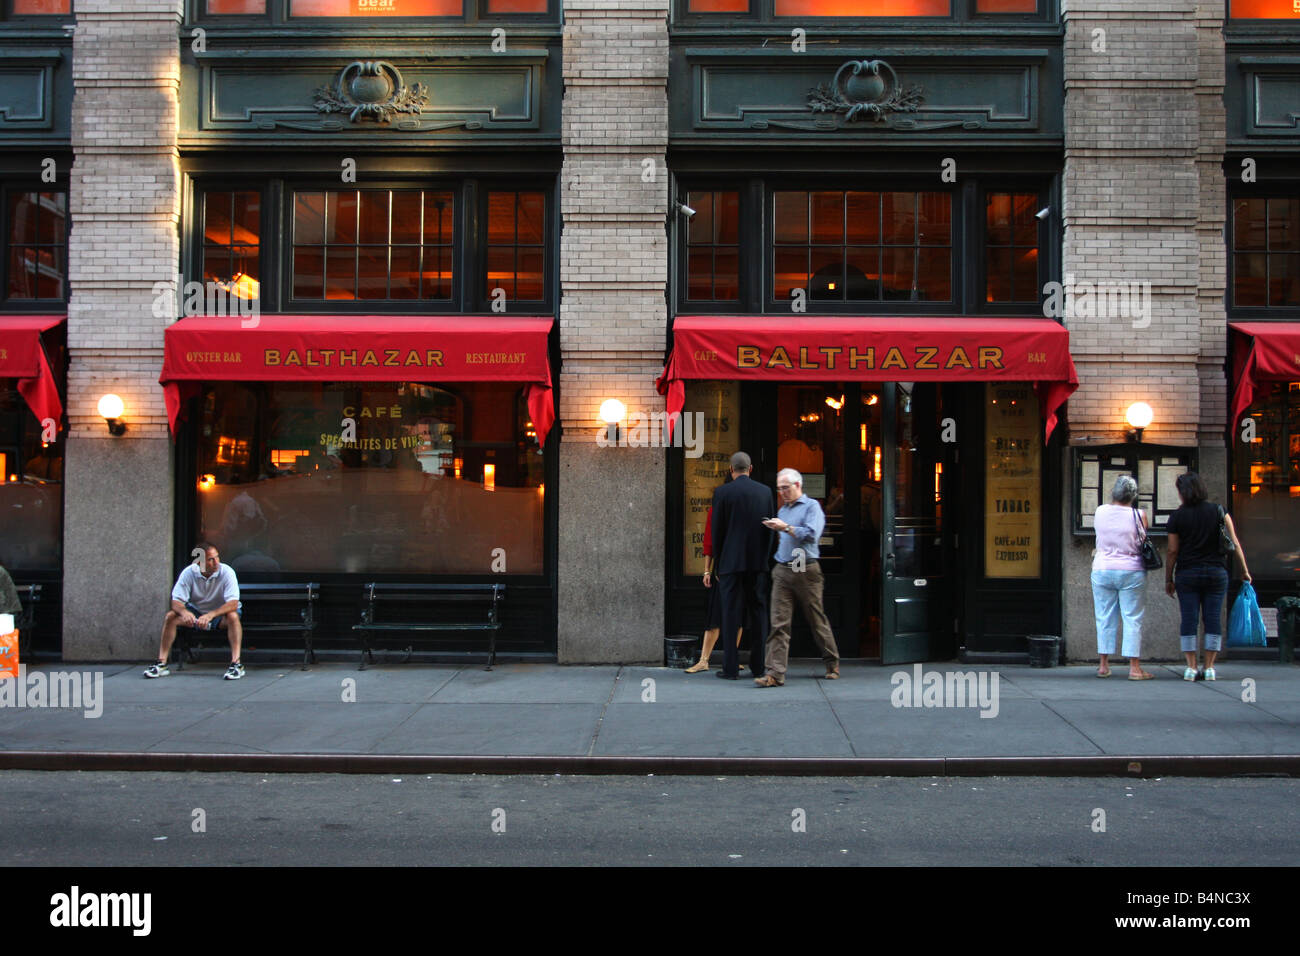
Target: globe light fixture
x=111, y=407
x=1139, y=416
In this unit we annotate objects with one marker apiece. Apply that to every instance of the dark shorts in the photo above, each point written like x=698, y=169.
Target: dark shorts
x=216, y=623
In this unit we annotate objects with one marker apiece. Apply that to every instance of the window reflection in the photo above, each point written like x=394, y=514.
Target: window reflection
x=432, y=480
x=31, y=488
x=1266, y=484
x=863, y=246
x=37, y=245
x=516, y=245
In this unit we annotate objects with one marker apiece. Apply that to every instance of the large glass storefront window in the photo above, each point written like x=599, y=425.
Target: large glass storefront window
x=1266, y=484
x=370, y=477
x=31, y=488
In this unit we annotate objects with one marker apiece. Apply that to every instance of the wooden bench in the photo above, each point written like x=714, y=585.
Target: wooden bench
x=268, y=609
x=29, y=595
x=404, y=608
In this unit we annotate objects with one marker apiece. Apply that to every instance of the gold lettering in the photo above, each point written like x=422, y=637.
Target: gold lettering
x=311, y=359
x=433, y=357
x=990, y=356
x=893, y=359
x=856, y=357
x=803, y=358
x=412, y=358
x=369, y=358
x=327, y=354
x=830, y=352
x=779, y=357
x=958, y=357
x=927, y=357
x=272, y=356
x=390, y=358
x=348, y=358
x=293, y=358
x=748, y=356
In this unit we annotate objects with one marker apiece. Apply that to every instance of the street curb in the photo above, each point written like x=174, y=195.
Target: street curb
x=1237, y=765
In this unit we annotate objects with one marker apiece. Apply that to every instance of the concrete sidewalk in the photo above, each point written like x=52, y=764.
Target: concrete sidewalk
x=532, y=710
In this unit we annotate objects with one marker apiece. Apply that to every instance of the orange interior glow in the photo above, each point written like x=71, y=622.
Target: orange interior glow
x=863, y=8
x=718, y=6
x=4, y=463
x=489, y=477
x=376, y=8
x=1263, y=10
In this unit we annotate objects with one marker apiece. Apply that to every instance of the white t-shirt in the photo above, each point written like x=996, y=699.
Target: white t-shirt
x=207, y=593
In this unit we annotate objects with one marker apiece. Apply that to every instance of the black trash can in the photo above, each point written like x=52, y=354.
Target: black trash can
x=681, y=650
x=1288, y=621
x=1044, y=650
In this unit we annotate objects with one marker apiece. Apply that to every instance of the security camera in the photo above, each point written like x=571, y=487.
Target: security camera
x=686, y=210
x=1043, y=213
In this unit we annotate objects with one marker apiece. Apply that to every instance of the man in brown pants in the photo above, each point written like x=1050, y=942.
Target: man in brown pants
x=797, y=574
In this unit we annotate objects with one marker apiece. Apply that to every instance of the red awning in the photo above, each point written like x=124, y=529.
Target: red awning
x=360, y=348
x=872, y=349
x=23, y=357
x=1261, y=352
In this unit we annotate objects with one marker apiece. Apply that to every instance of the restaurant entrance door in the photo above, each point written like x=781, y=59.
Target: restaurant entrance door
x=874, y=458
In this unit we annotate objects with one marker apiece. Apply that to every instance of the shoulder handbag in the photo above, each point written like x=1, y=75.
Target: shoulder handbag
x=1150, y=556
x=1226, y=546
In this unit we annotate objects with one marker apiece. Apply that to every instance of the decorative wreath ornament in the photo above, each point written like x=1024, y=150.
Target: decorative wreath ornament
x=864, y=88
x=372, y=88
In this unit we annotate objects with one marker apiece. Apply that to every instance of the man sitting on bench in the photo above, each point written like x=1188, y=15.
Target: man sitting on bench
x=206, y=599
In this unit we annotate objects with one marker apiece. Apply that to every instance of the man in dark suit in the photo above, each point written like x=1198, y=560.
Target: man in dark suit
x=742, y=549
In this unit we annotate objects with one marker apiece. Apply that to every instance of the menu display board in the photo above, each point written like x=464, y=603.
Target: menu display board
x=719, y=403
x=1156, y=468
x=1013, y=513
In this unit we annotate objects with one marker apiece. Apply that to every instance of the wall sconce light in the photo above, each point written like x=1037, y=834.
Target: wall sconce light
x=1139, y=416
x=207, y=482
x=111, y=407
x=612, y=411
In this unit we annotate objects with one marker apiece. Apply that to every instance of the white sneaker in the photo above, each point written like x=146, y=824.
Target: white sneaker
x=157, y=670
x=235, y=671
x=1209, y=673
x=1189, y=674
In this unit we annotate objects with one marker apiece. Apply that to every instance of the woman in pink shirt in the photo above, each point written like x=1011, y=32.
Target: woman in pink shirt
x=1119, y=579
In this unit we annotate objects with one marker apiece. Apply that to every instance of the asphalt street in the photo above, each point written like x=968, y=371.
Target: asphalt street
x=185, y=819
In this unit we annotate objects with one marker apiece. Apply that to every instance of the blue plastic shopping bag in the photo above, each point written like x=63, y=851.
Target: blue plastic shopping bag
x=1245, y=623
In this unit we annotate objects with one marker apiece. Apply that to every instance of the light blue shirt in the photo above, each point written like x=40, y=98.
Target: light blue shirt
x=805, y=516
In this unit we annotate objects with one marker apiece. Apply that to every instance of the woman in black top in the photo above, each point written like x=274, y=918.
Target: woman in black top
x=1201, y=581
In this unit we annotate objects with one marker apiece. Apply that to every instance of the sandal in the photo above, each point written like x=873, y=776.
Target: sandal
x=1141, y=675
x=1105, y=673
x=696, y=668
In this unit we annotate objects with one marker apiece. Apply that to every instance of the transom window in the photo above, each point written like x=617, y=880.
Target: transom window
x=35, y=8
x=457, y=248
x=862, y=246
x=372, y=244
x=713, y=247
x=35, y=263
x=516, y=251
x=865, y=9
x=1264, y=10
x=282, y=10
x=1011, y=247
x=1266, y=252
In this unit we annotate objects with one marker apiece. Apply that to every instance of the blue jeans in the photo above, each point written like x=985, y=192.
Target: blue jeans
x=1200, y=590
x=1119, y=595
